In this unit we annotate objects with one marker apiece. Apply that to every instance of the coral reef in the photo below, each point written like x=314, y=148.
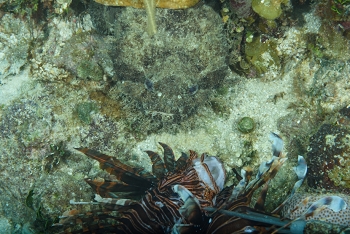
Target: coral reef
x=33, y=144
x=329, y=154
x=62, y=6
x=83, y=110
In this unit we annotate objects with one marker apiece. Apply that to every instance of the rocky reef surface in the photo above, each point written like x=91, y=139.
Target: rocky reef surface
x=81, y=74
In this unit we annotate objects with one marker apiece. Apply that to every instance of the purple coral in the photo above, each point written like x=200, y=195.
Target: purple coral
x=242, y=8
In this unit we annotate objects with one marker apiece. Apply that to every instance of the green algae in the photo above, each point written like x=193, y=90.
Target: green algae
x=268, y=9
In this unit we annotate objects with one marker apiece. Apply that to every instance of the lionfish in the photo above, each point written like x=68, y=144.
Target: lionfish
x=187, y=195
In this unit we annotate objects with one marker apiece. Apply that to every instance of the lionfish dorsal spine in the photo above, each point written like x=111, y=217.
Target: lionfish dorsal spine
x=158, y=167
x=181, y=162
x=120, y=170
x=169, y=157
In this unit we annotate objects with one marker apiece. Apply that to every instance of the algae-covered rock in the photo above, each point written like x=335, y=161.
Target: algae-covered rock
x=262, y=55
x=328, y=158
x=85, y=55
x=84, y=110
x=14, y=46
x=330, y=43
x=90, y=69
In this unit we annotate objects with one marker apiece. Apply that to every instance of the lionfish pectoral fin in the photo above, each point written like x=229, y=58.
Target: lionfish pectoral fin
x=239, y=188
x=158, y=167
x=67, y=215
x=236, y=173
x=122, y=171
x=277, y=144
x=267, y=170
x=260, y=203
x=190, y=210
x=300, y=170
x=250, y=215
x=114, y=203
x=210, y=209
x=75, y=222
x=265, y=167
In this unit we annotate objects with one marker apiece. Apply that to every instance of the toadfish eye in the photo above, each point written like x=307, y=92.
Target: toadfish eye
x=193, y=89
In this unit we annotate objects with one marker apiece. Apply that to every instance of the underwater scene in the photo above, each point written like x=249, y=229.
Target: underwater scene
x=174, y=116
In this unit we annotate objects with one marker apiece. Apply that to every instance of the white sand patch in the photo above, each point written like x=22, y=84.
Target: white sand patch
x=13, y=86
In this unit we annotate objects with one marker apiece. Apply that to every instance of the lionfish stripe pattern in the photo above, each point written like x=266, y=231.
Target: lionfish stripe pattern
x=187, y=196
